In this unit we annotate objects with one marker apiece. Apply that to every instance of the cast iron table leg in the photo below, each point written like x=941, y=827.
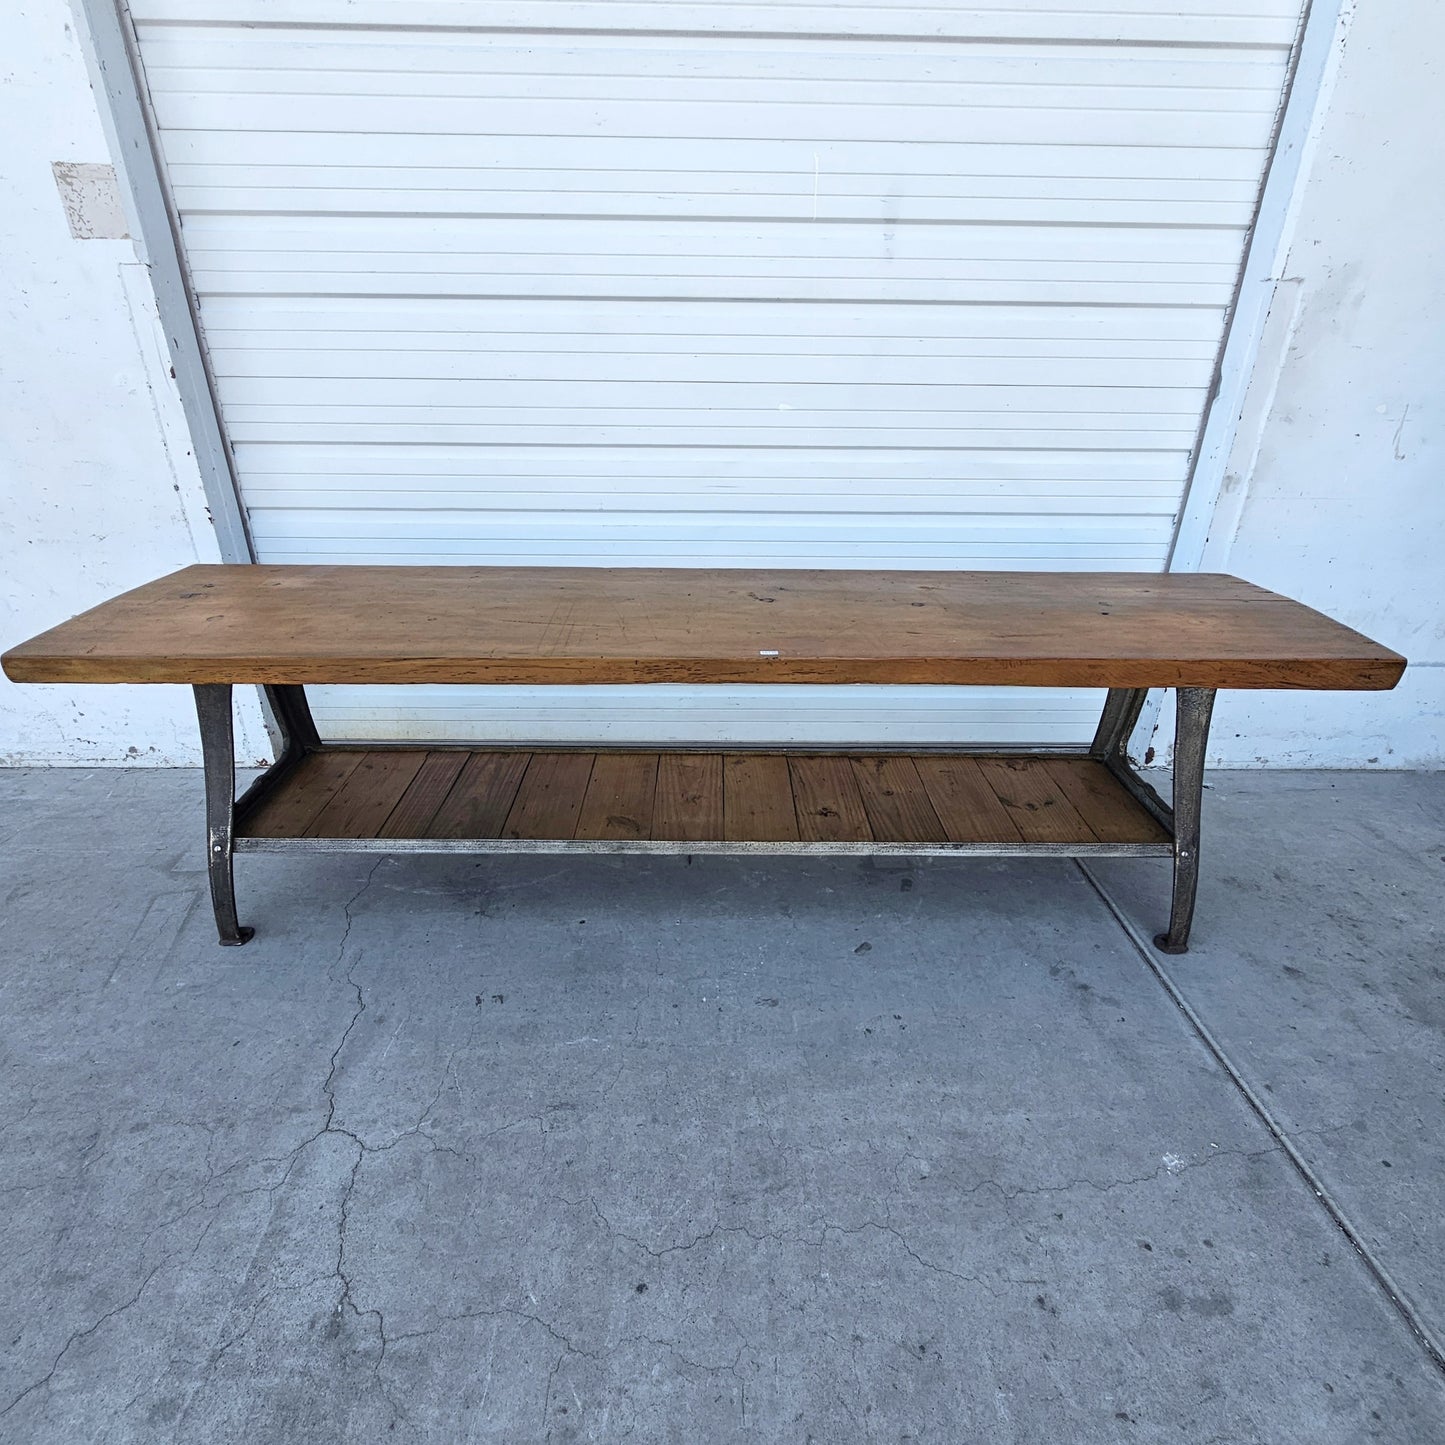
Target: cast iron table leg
x=1192, y=709
x=1116, y=725
x=293, y=717
x=213, y=708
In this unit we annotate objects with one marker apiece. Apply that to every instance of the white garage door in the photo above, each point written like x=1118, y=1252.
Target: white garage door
x=806, y=285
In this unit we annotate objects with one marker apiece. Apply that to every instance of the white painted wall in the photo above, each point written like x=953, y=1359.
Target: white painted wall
x=1342, y=505
x=1336, y=495
x=98, y=489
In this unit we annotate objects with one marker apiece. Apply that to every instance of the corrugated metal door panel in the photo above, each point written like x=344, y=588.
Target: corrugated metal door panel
x=562, y=281
x=740, y=715
x=1266, y=22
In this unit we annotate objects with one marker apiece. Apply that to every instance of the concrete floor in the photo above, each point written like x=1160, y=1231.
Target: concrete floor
x=606, y=1149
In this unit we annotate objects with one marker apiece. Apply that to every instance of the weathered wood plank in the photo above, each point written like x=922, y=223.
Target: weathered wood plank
x=688, y=804
x=758, y=799
x=618, y=802
x=826, y=799
x=434, y=779
x=896, y=801
x=681, y=797
x=1103, y=804
x=372, y=790
x=1035, y=801
x=526, y=625
x=966, y=806
x=549, y=801
x=309, y=787
x=481, y=797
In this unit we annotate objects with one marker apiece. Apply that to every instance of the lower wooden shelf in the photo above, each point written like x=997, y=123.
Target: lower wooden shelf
x=518, y=800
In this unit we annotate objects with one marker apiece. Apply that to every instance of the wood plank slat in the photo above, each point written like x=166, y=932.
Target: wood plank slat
x=618, y=802
x=685, y=797
x=302, y=795
x=688, y=804
x=528, y=625
x=434, y=779
x=896, y=801
x=826, y=800
x=549, y=801
x=361, y=805
x=758, y=799
x=966, y=806
x=1035, y=801
x=481, y=797
x=1102, y=802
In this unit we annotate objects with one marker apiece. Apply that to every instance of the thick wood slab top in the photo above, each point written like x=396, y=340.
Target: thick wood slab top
x=266, y=624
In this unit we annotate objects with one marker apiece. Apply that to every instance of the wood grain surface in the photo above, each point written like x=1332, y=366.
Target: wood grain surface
x=696, y=797
x=522, y=625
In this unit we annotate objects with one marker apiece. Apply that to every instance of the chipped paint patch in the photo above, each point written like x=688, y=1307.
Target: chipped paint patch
x=90, y=195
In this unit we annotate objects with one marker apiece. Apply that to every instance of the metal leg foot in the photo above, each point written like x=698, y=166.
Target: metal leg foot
x=213, y=708
x=1193, y=709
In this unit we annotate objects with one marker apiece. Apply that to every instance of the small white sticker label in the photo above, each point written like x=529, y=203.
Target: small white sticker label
x=768, y=652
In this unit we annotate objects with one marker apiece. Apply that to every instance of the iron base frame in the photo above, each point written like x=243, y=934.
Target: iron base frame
x=1110, y=746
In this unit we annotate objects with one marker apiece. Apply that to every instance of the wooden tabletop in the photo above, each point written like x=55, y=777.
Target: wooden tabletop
x=265, y=624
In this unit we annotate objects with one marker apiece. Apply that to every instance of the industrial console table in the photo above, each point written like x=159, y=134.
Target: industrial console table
x=284, y=627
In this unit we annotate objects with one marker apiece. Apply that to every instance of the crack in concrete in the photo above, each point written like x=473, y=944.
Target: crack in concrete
x=16, y=1120
x=347, y=1299
x=778, y=1237
x=622, y=1061
x=1419, y=1327
x=343, y=1276
x=570, y=1347
x=290, y=1160
x=214, y=1207
x=547, y=1393
x=1173, y=1170
x=500, y=1313
x=340, y=1273
x=886, y=1225
x=908, y=1249
x=78, y=1335
x=328, y=1085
